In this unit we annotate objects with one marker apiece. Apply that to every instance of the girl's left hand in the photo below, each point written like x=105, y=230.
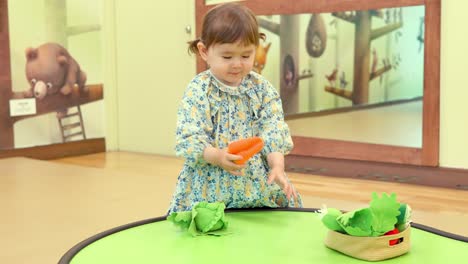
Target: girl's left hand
x=278, y=176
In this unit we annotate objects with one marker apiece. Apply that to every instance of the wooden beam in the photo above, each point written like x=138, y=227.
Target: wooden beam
x=305, y=76
x=52, y=103
x=340, y=92
x=379, y=72
x=376, y=33
x=431, y=104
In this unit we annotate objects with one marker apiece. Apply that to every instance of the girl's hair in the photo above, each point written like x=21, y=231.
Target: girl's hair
x=228, y=23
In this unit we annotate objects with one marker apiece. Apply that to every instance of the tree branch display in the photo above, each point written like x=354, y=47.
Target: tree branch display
x=364, y=34
x=288, y=32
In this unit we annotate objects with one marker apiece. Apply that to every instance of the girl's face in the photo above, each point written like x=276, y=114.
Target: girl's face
x=229, y=62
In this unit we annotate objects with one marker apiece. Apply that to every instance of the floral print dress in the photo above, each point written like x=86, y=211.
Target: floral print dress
x=212, y=113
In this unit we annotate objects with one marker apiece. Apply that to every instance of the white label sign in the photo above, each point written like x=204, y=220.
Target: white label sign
x=20, y=107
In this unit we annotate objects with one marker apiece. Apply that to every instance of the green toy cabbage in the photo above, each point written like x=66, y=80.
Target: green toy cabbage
x=204, y=219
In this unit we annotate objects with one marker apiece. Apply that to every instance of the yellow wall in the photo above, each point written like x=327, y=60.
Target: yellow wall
x=453, y=90
x=152, y=69
x=88, y=48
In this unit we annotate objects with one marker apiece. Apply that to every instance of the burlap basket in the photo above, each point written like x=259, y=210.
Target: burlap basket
x=369, y=248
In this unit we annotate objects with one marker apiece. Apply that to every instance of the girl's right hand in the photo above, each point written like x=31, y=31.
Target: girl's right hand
x=223, y=159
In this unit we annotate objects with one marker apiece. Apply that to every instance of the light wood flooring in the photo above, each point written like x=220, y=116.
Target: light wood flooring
x=49, y=206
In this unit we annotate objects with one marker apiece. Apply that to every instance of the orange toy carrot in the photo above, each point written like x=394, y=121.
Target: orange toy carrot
x=245, y=148
x=247, y=154
x=243, y=144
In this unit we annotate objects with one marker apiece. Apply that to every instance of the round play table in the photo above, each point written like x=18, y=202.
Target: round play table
x=257, y=236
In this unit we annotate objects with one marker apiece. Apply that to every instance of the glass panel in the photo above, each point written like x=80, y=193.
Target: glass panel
x=362, y=69
x=55, y=52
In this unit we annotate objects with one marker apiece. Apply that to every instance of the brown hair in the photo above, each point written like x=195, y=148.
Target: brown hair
x=228, y=23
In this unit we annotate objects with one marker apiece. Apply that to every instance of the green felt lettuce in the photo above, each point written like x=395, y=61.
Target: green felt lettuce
x=204, y=219
x=357, y=223
x=329, y=216
x=384, y=213
x=375, y=220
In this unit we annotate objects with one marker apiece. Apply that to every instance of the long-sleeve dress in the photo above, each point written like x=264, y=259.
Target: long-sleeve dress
x=213, y=114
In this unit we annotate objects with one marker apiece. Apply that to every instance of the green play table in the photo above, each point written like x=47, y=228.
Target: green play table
x=258, y=236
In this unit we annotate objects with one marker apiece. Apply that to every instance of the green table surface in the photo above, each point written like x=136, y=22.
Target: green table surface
x=269, y=236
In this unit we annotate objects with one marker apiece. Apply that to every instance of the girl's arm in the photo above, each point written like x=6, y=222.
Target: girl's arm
x=275, y=133
x=193, y=124
x=277, y=174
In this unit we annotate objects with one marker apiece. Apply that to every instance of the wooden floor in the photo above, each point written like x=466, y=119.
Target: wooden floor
x=49, y=206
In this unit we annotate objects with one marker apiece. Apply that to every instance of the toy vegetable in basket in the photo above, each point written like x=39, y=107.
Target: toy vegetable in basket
x=372, y=233
x=204, y=219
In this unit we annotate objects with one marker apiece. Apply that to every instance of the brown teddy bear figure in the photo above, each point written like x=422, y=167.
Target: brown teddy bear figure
x=51, y=69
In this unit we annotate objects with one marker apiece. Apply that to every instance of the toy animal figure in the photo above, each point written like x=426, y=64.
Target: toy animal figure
x=51, y=69
x=343, y=81
x=384, y=61
x=332, y=77
x=386, y=65
x=260, y=57
x=375, y=61
x=388, y=16
x=377, y=13
x=396, y=60
x=398, y=34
